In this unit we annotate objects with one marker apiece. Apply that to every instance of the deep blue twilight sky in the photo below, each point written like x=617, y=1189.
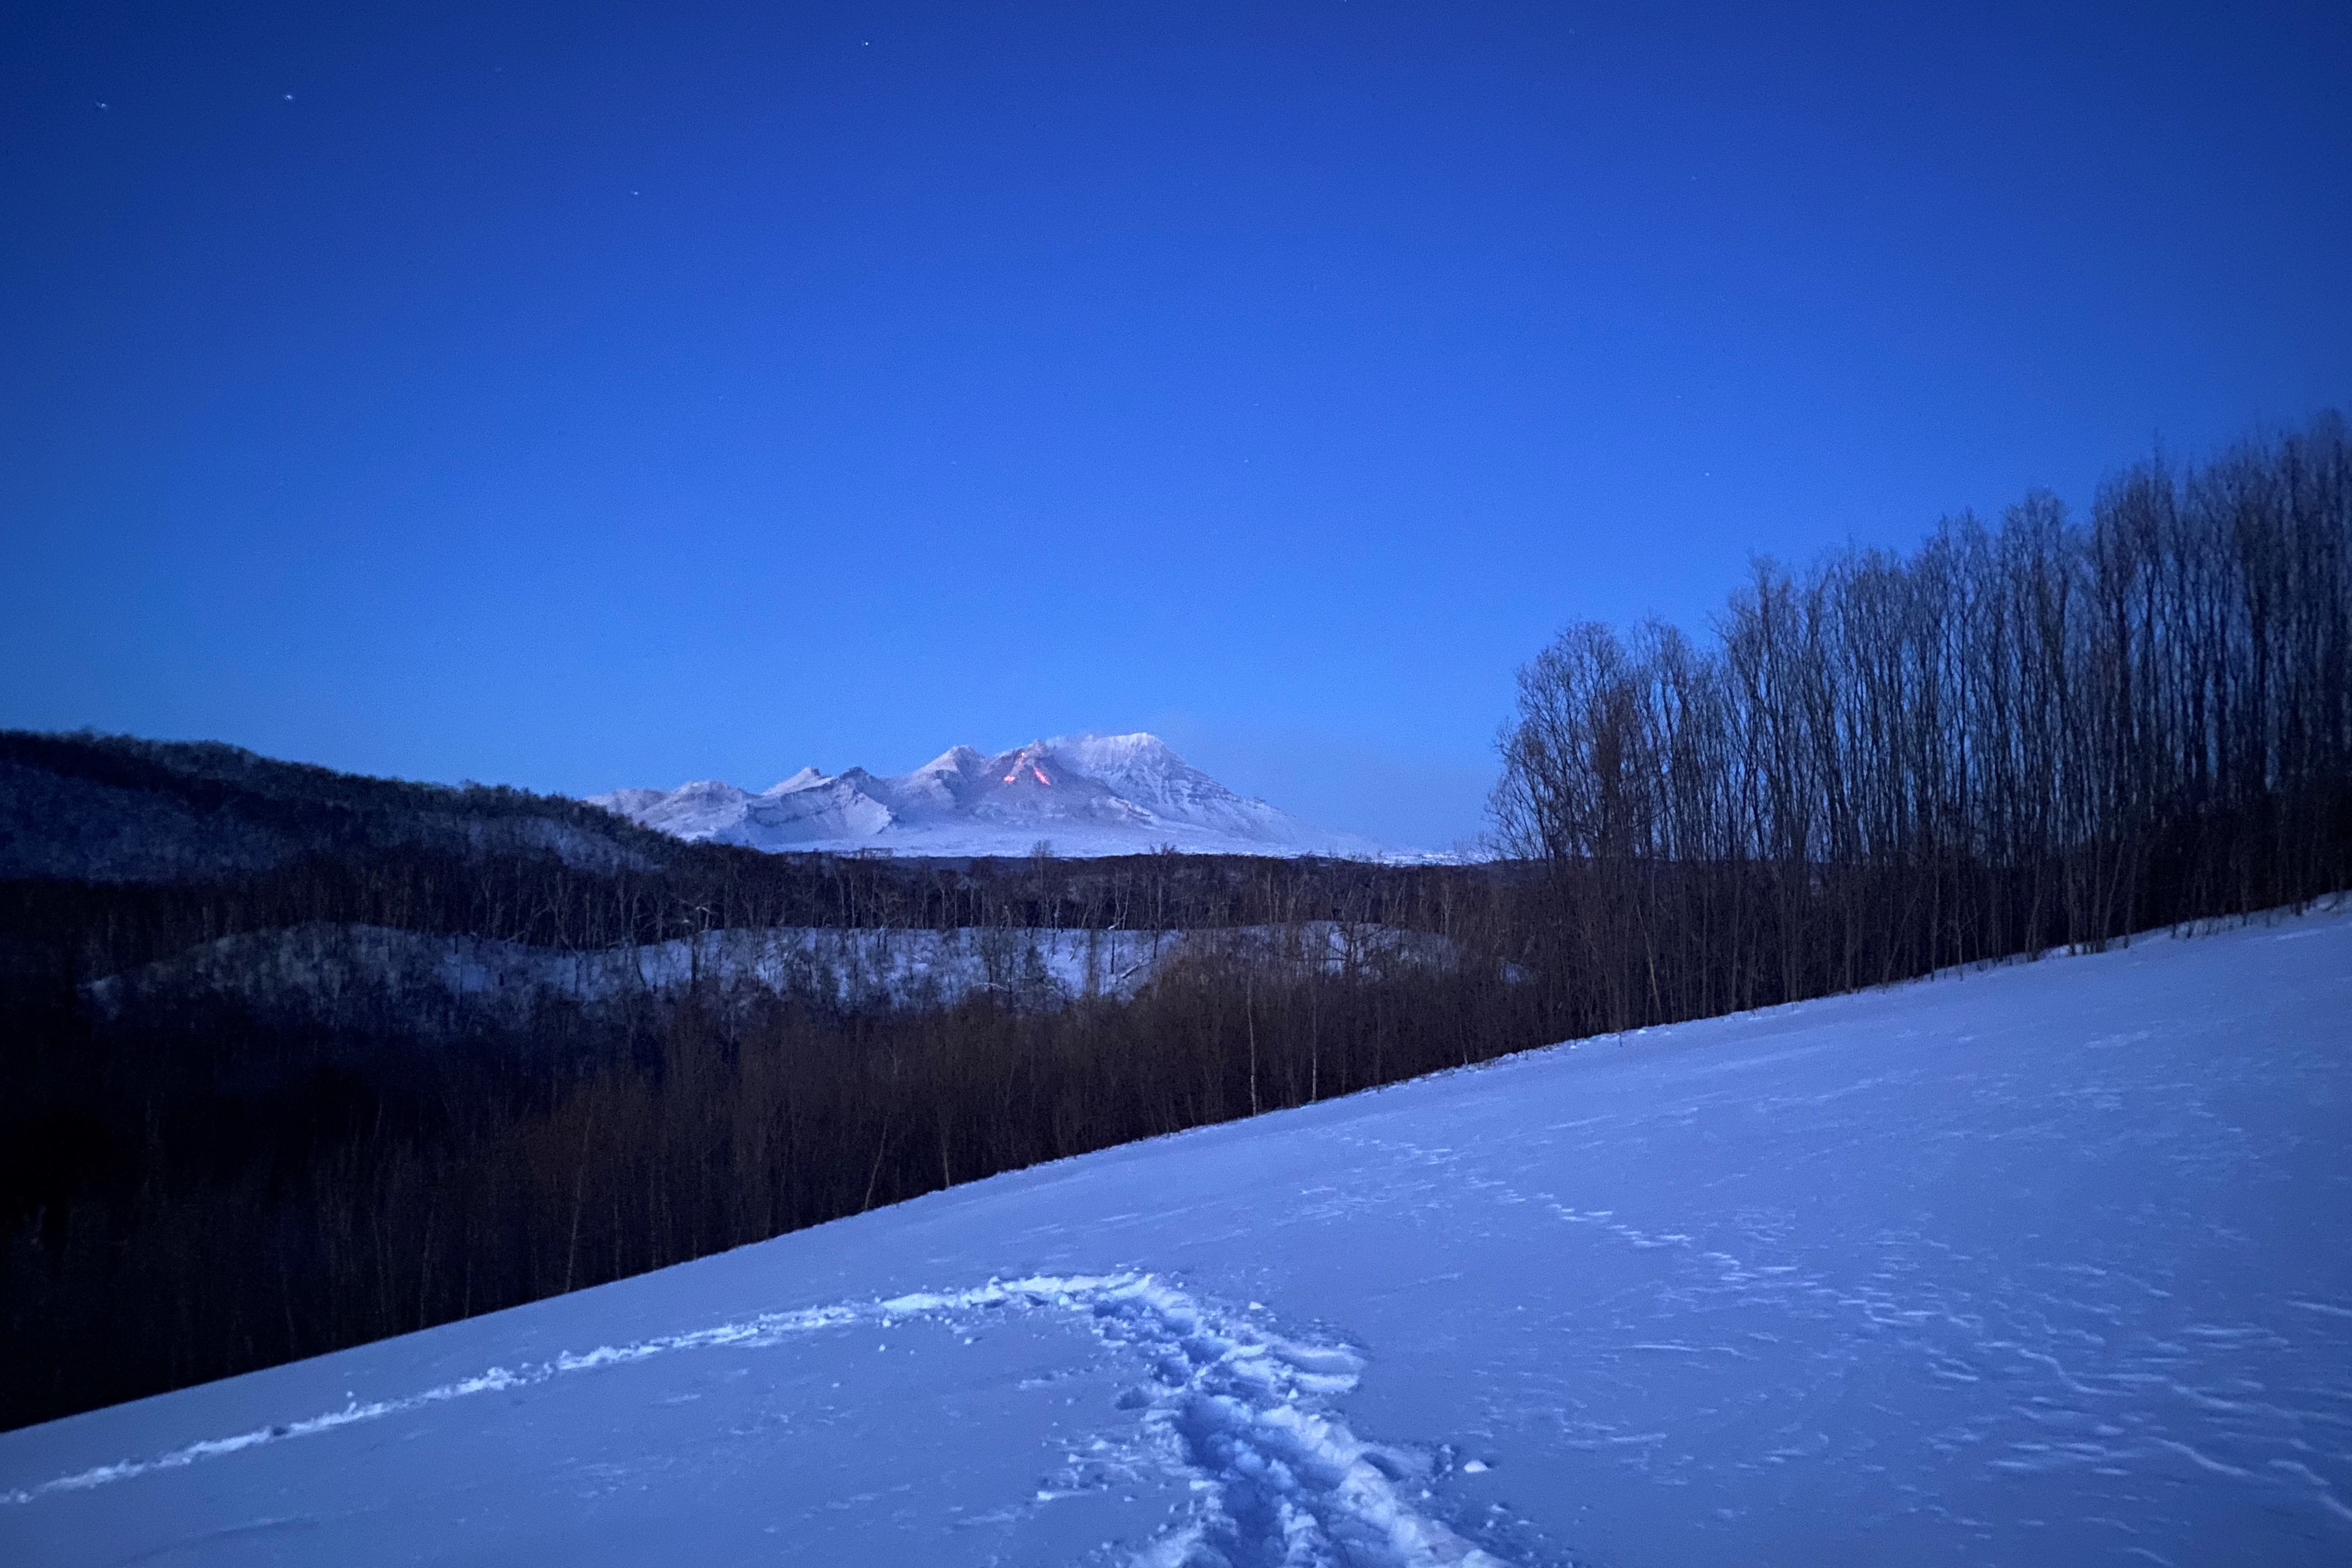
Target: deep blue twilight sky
x=601, y=395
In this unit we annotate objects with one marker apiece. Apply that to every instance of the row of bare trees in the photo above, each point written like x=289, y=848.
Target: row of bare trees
x=2016, y=737
x=95, y=929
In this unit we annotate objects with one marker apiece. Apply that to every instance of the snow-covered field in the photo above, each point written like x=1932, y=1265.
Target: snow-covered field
x=2047, y=1264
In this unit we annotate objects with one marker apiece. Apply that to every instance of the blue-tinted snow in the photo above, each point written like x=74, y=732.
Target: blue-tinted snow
x=2046, y=1264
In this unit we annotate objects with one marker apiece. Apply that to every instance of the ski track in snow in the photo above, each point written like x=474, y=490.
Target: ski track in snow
x=1239, y=1411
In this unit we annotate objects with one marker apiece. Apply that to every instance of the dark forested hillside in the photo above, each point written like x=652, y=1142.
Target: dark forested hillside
x=105, y=807
x=193, y=1183
x=2018, y=736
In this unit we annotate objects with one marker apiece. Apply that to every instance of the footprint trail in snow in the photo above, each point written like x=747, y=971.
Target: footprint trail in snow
x=1238, y=1411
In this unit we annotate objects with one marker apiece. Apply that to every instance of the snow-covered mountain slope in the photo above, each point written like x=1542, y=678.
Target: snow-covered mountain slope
x=2038, y=1265
x=1085, y=794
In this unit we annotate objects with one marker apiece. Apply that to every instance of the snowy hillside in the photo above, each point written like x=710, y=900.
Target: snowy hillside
x=1086, y=794
x=2039, y=1265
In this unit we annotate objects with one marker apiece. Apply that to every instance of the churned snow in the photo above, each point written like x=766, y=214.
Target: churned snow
x=2042, y=1264
x=1085, y=794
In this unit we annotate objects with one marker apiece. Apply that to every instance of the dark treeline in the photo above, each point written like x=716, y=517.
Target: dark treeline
x=87, y=929
x=2018, y=737
x=116, y=809
x=195, y=1188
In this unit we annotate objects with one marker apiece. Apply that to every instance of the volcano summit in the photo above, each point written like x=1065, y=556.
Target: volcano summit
x=1085, y=794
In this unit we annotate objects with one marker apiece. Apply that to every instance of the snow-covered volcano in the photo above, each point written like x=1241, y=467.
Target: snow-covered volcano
x=1085, y=794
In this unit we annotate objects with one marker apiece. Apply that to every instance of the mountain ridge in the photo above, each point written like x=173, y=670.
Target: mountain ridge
x=1085, y=794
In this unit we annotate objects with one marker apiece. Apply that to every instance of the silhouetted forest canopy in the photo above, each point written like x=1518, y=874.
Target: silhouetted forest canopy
x=2018, y=737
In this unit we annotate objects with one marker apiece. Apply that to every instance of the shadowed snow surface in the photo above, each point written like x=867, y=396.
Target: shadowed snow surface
x=2040, y=1265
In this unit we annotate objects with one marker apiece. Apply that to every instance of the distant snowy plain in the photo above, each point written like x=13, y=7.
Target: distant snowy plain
x=2042, y=1264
